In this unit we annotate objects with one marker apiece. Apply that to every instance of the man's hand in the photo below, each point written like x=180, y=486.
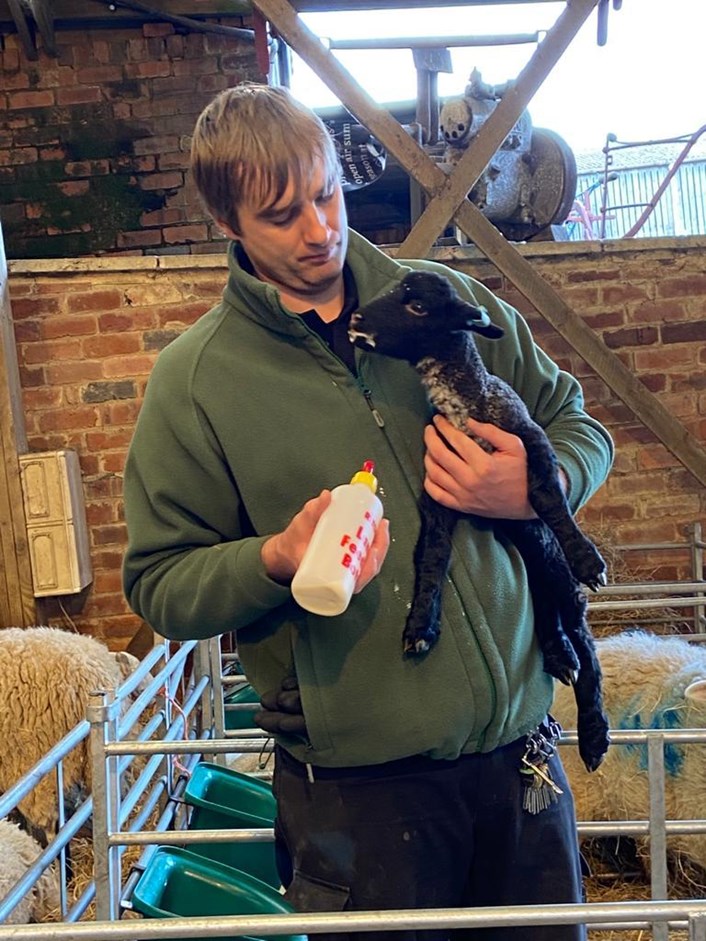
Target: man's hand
x=462, y=476
x=282, y=553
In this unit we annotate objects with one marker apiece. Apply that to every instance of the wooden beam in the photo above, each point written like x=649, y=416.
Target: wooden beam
x=19, y=17
x=44, y=18
x=548, y=302
x=494, y=131
x=17, y=603
x=645, y=405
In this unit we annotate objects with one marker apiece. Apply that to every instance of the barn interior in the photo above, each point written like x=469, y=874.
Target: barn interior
x=107, y=255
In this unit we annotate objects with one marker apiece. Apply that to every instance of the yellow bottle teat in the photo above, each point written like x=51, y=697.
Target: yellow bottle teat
x=366, y=476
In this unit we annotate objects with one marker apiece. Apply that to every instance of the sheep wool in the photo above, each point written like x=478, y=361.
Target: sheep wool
x=18, y=851
x=46, y=677
x=649, y=682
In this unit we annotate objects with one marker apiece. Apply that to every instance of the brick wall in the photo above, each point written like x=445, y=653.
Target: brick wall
x=88, y=331
x=94, y=143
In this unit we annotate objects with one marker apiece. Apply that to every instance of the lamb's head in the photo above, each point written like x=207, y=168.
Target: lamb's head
x=416, y=317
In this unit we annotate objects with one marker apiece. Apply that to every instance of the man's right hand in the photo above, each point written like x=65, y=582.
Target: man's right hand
x=282, y=553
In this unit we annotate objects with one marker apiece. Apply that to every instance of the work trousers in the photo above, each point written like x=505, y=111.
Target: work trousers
x=419, y=833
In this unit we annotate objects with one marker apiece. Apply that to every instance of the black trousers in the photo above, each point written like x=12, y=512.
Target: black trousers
x=419, y=833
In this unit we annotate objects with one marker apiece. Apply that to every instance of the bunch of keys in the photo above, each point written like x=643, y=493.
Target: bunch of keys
x=540, y=790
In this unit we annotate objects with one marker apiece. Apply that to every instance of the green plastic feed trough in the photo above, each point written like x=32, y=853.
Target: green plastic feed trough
x=223, y=799
x=180, y=884
x=241, y=718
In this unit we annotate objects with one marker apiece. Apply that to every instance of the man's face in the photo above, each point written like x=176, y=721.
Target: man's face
x=299, y=243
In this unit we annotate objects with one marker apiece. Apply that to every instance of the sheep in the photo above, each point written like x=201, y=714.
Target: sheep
x=46, y=677
x=650, y=682
x=18, y=851
x=424, y=321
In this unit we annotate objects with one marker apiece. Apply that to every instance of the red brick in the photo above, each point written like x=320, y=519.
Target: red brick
x=114, y=462
x=87, y=167
x=112, y=345
x=162, y=217
x=60, y=350
x=62, y=373
x=631, y=336
x=74, y=187
x=109, y=535
x=172, y=180
x=100, y=74
x=148, y=69
x=132, y=319
x=96, y=300
x=79, y=96
x=30, y=99
x=675, y=357
x=157, y=29
x=10, y=60
x=156, y=145
x=66, y=419
x=53, y=327
x=682, y=287
x=109, y=441
x=19, y=156
x=688, y=332
x=129, y=366
x=143, y=237
x=185, y=233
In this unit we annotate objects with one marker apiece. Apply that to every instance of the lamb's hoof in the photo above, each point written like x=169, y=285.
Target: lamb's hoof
x=593, y=743
x=416, y=643
x=416, y=648
x=589, y=568
x=561, y=662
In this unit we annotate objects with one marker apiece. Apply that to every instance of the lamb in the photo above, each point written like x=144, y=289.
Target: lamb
x=650, y=682
x=46, y=677
x=424, y=321
x=18, y=851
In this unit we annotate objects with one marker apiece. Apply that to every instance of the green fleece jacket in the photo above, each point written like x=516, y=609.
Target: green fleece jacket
x=247, y=416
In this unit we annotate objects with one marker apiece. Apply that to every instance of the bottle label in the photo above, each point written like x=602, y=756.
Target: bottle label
x=355, y=547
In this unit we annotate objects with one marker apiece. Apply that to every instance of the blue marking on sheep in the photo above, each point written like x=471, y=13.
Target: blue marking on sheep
x=667, y=718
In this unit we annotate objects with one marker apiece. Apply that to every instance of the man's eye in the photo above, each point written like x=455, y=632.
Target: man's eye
x=326, y=197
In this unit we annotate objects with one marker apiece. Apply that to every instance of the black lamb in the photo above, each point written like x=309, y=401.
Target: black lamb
x=425, y=321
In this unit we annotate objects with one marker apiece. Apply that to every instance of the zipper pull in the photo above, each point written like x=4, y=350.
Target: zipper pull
x=379, y=420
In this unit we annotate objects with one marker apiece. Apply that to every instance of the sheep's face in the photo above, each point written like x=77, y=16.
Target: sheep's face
x=416, y=317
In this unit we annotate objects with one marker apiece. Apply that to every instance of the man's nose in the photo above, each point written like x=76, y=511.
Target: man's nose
x=316, y=226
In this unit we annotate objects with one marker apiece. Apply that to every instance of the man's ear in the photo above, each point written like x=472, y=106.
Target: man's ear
x=226, y=229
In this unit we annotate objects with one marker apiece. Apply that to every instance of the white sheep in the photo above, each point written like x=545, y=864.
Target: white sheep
x=18, y=851
x=46, y=677
x=649, y=682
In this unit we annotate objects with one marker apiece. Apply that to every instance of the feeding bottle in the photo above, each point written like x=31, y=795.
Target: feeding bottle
x=326, y=577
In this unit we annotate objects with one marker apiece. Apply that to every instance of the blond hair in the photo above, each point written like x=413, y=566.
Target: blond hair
x=249, y=142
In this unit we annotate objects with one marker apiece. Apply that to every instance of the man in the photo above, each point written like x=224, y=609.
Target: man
x=402, y=787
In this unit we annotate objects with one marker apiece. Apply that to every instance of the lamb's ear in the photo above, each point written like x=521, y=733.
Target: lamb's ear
x=478, y=320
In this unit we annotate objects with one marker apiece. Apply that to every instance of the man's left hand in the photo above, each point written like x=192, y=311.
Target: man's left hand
x=464, y=477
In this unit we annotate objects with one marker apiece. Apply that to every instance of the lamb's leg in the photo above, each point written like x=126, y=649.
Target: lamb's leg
x=538, y=547
x=592, y=723
x=550, y=504
x=431, y=561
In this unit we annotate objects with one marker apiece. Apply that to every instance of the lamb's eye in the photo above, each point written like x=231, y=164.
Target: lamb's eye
x=417, y=309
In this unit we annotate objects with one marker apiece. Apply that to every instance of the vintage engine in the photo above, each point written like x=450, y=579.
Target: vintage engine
x=530, y=183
